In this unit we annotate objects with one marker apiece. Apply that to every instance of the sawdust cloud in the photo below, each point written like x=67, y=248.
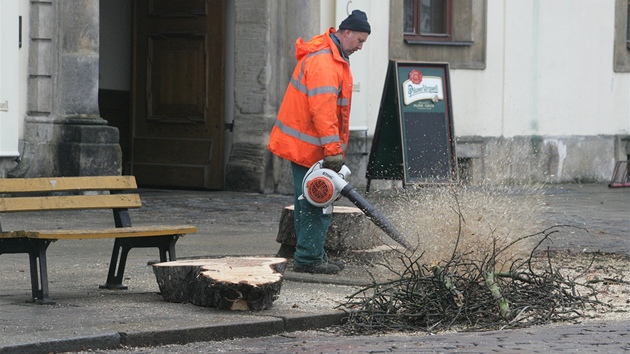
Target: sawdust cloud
x=492, y=217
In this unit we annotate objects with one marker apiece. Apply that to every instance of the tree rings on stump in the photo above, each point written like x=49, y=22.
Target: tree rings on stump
x=234, y=283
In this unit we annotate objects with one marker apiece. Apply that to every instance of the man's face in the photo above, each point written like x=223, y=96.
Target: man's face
x=351, y=41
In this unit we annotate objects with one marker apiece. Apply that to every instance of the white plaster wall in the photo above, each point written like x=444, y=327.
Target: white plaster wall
x=22, y=84
x=13, y=71
x=369, y=65
x=327, y=16
x=549, y=72
x=477, y=95
x=376, y=66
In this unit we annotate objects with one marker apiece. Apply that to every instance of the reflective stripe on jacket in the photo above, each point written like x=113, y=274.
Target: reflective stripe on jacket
x=314, y=118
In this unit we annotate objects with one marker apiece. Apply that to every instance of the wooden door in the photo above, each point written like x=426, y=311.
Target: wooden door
x=177, y=137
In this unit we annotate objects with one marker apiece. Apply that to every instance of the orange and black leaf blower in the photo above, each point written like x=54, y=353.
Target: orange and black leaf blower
x=322, y=186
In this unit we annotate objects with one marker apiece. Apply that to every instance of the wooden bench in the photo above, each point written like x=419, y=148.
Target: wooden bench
x=117, y=193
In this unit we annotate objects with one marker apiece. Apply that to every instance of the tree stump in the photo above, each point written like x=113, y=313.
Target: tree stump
x=349, y=230
x=234, y=283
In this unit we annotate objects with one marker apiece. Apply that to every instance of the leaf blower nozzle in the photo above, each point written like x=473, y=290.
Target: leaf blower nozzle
x=377, y=218
x=322, y=186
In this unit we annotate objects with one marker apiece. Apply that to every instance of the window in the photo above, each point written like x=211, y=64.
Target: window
x=454, y=31
x=427, y=21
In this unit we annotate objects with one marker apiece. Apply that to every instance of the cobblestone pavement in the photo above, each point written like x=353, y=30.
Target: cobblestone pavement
x=611, y=338
x=603, y=213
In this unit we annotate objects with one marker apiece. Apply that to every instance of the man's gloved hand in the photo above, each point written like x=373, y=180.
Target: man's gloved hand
x=333, y=162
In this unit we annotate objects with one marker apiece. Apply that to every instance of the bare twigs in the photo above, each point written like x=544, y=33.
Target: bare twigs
x=467, y=291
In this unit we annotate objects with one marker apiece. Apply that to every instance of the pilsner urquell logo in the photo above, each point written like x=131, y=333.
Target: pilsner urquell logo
x=417, y=88
x=415, y=76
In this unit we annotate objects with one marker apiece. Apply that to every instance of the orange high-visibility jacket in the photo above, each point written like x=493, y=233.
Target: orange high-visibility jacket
x=314, y=118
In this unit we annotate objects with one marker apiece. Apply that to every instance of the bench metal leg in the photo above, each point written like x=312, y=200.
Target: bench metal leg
x=39, y=285
x=122, y=246
x=114, y=280
x=36, y=250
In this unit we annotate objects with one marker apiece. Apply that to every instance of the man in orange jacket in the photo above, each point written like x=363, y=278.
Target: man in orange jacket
x=314, y=123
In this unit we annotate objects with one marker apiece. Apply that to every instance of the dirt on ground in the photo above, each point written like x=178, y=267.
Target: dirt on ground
x=607, y=274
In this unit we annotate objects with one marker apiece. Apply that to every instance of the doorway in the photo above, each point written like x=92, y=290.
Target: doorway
x=177, y=102
x=171, y=113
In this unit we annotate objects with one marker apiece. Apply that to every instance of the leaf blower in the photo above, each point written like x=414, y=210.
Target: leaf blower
x=322, y=186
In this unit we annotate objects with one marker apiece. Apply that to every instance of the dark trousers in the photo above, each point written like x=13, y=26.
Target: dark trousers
x=311, y=224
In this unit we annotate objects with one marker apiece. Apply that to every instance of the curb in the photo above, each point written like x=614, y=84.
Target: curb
x=274, y=326
x=104, y=341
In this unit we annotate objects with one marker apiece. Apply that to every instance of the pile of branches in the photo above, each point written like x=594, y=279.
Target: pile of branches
x=469, y=293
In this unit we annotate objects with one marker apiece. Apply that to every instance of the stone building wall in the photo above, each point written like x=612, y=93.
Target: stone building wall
x=264, y=59
x=63, y=133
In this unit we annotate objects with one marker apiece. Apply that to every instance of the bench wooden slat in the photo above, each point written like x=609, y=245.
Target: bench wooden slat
x=9, y=234
x=64, y=184
x=121, y=232
x=70, y=202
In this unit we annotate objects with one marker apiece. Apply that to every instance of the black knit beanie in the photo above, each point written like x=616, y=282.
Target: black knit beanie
x=357, y=21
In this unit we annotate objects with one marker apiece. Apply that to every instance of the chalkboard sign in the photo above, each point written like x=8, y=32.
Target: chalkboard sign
x=414, y=137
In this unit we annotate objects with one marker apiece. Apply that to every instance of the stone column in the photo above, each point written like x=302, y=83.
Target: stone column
x=63, y=133
x=264, y=59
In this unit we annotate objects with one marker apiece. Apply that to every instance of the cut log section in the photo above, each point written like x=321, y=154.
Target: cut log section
x=349, y=230
x=234, y=283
